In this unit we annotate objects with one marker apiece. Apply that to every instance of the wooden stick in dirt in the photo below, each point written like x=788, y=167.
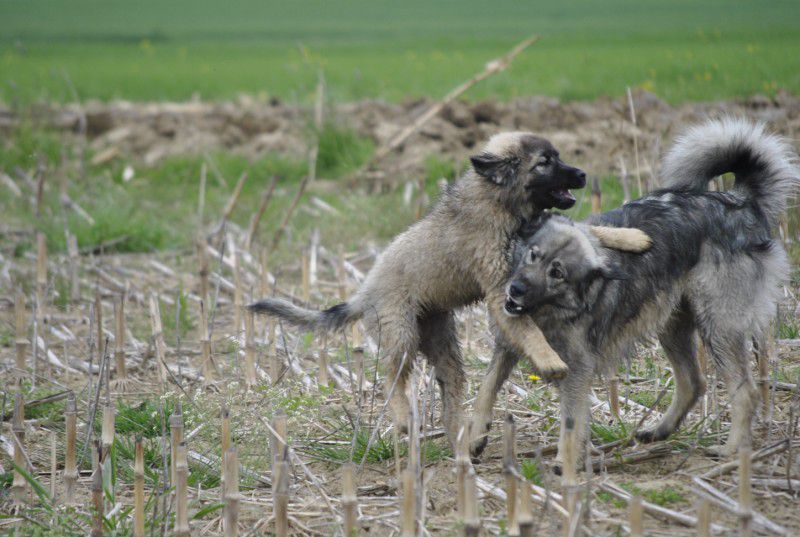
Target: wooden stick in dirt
x=525, y=514
x=53, y=463
x=97, y=495
x=21, y=342
x=745, y=493
x=158, y=340
x=275, y=366
x=122, y=379
x=703, y=518
x=233, y=200
x=19, y=485
x=349, y=499
x=767, y=451
x=472, y=520
x=98, y=326
x=75, y=283
x=266, y=196
x=138, y=489
x=181, y=493
x=322, y=370
x=176, y=437
x=358, y=362
x=569, y=475
x=230, y=472
x=613, y=396
x=635, y=516
x=208, y=366
x=596, y=196
x=107, y=431
x=409, y=519
x=632, y=110
x=278, y=439
x=491, y=68
x=312, y=173
x=765, y=350
x=510, y=473
x=41, y=268
x=238, y=295
x=305, y=276
x=281, y=474
x=70, y=455
x=202, y=266
x=355, y=340
x=463, y=465
x=249, y=349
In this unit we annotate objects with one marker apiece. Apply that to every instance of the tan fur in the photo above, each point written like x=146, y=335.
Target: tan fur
x=455, y=256
x=629, y=239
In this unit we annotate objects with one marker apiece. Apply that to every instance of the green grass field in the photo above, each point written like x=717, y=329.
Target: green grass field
x=683, y=50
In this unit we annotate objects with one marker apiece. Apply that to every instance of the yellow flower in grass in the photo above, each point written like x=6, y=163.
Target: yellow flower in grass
x=534, y=378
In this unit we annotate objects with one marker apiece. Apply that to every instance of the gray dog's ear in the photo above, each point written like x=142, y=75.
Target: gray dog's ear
x=611, y=271
x=494, y=168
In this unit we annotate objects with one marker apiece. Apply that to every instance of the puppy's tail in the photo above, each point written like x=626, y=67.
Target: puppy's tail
x=332, y=318
x=765, y=164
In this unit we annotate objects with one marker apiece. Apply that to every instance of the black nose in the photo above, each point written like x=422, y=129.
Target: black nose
x=516, y=289
x=582, y=174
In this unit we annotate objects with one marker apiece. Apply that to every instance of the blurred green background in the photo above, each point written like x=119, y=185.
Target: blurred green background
x=148, y=50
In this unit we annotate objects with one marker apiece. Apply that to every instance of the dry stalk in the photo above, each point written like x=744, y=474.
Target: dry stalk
x=252, y=229
x=409, y=519
x=202, y=266
x=510, y=473
x=745, y=493
x=208, y=366
x=41, y=268
x=305, y=277
x=107, y=431
x=138, y=489
x=19, y=484
x=312, y=172
x=238, y=295
x=569, y=475
x=176, y=437
x=635, y=141
x=525, y=510
x=281, y=484
x=97, y=495
x=231, y=498
x=122, y=381
x=181, y=493
x=249, y=349
x=472, y=521
x=635, y=516
x=158, y=341
x=349, y=500
x=53, y=463
x=463, y=465
x=613, y=396
x=22, y=344
x=70, y=455
x=703, y=518
x=278, y=438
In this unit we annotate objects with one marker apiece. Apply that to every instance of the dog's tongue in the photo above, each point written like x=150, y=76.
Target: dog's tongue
x=563, y=195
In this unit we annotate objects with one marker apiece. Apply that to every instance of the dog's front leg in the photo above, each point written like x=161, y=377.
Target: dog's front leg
x=503, y=361
x=523, y=335
x=574, y=399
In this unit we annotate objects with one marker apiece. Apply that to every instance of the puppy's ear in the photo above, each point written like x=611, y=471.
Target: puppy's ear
x=492, y=167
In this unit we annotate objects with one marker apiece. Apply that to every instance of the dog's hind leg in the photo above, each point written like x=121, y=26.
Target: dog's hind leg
x=398, y=340
x=503, y=361
x=439, y=344
x=677, y=339
x=732, y=360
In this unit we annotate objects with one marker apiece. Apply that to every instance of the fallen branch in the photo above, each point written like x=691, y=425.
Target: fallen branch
x=760, y=522
x=493, y=67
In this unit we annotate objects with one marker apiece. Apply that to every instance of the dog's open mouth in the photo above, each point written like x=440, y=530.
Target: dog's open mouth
x=513, y=308
x=562, y=196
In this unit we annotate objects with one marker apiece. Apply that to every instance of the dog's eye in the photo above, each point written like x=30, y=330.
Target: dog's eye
x=544, y=161
x=556, y=272
x=533, y=251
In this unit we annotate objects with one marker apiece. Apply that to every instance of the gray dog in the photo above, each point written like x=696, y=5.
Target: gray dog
x=459, y=254
x=713, y=269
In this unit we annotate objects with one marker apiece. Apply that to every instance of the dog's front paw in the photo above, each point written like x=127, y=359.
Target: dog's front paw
x=554, y=371
x=477, y=446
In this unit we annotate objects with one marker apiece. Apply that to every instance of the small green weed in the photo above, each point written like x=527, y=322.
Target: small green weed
x=341, y=150
x=531, y=472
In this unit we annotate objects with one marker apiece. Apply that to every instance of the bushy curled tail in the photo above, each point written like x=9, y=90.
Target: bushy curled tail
x=765, y=164
x=332, y=318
